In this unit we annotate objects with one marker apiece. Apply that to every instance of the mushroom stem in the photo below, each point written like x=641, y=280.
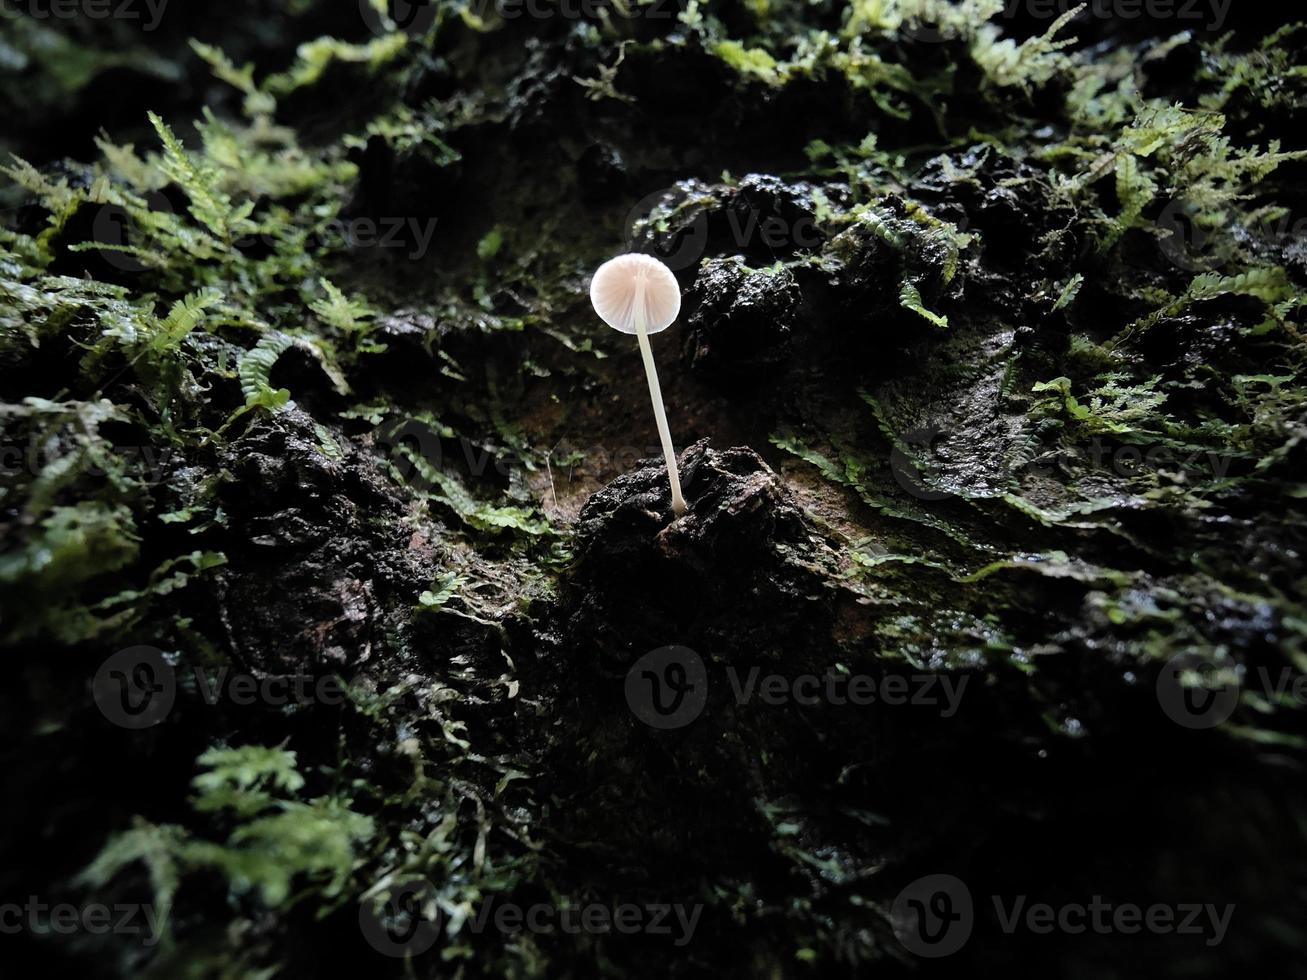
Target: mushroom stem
x=656, y=396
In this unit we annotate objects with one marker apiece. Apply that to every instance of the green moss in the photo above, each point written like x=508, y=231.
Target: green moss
x=1013, y=554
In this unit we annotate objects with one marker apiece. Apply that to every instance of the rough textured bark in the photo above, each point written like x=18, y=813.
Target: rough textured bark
x=989, y=374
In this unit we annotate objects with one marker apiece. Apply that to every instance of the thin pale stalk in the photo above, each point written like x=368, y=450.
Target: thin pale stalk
x=656, y=396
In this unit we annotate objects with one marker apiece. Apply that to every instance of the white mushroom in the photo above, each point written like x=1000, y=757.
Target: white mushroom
x=637, y=294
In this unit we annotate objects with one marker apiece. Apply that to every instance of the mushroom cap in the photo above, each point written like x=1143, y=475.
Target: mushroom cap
x=621, y=282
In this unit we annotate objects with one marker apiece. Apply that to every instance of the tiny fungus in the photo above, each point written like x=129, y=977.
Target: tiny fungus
x=637, y=294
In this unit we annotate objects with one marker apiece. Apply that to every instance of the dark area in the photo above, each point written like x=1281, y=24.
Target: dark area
x=351, y=625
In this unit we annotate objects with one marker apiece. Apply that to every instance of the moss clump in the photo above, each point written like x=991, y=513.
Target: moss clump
x=1002, y=317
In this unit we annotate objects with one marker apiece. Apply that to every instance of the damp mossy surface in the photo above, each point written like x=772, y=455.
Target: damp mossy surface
x=989, y=377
